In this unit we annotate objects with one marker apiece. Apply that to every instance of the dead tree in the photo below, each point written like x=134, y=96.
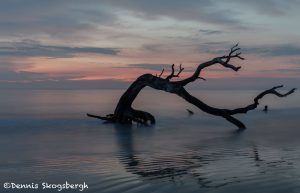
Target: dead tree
x=124, y=113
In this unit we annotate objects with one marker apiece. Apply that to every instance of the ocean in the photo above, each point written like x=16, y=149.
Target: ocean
x=46, y=137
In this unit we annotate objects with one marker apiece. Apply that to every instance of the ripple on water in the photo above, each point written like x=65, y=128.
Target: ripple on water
x=218, y=169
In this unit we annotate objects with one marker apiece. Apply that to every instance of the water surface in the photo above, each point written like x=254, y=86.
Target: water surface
x=45, y=136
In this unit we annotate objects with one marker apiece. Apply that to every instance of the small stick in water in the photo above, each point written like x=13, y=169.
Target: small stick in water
x=190, y=112
x=266, y=109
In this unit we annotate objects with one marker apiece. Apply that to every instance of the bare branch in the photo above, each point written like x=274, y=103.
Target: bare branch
x=161, y=73
x=257, y=98
x=201, y=78
x=226, y=113
x=180, y=70
x=227, y=65
x=275, y=92
x=223, y=60
x=108, y=117
x=211, y=110
x=190, y=111
x=172, y=75
x=232, y=54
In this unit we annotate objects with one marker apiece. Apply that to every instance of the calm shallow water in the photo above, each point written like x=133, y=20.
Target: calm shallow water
x=45, y=136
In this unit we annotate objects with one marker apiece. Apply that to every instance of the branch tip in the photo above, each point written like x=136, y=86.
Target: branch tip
x=161, y=73
x=172, y=75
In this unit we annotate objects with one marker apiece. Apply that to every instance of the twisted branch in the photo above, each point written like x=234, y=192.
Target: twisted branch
x=257, y=98
x=124, y=113
x=223, y=60
x=227, y=113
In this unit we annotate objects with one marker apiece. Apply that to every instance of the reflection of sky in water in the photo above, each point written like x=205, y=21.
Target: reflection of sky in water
x=44, y=135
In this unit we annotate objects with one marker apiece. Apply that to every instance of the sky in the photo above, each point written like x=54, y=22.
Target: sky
x=108, y=43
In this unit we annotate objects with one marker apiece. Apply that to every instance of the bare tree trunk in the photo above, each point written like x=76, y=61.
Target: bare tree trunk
x=124, y=113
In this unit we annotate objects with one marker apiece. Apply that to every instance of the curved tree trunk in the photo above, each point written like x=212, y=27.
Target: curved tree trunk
x=124, y=113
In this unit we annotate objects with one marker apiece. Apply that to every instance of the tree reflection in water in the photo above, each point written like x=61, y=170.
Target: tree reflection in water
x=210, y=169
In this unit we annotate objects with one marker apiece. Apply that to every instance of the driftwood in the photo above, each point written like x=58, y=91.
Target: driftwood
x=124, y=113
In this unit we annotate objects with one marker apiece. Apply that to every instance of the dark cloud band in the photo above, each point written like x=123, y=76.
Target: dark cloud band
x=35, y=49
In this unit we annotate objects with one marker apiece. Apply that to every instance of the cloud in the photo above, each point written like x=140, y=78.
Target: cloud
x=222, y=47
x=189, y=10
x=295, y=61
x=149, y=29
x=64, y=19
x=274, y=50
x=217, y=47
x=269, y=7
x=56, y=19
x=66, y=84
x=284, y=70
x=150, y=66
x=26, y=76
x=153, y=47
x=283, y=50
x=6, y=64
x=30, y=48
x=210, y=32
x=21, y=76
